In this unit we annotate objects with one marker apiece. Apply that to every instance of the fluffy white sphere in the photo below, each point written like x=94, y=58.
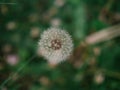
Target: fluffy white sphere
x=55, y=45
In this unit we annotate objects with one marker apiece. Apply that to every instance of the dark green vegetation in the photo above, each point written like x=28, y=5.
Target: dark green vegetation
x=92, y=67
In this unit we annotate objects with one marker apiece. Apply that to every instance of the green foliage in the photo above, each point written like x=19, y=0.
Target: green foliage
x=23, y=21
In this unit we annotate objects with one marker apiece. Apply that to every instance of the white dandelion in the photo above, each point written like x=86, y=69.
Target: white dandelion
x=55, y=45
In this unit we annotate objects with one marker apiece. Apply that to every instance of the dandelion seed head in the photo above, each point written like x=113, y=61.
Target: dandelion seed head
x=55, y=45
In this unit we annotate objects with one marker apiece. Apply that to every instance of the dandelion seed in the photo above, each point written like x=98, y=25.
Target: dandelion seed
x=12, y=59
x=11, y=25
x=56, y=22
x=55, y=45
x=99, y=78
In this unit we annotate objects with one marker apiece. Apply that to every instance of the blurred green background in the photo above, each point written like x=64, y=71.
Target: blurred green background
x=23, y=21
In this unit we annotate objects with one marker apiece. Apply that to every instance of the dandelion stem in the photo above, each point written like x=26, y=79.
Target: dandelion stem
x=14, y=74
